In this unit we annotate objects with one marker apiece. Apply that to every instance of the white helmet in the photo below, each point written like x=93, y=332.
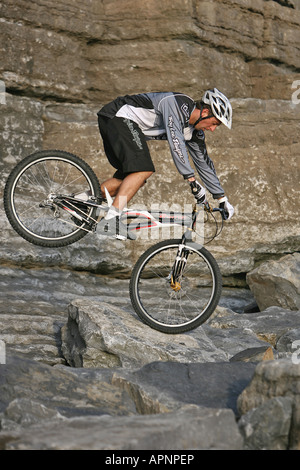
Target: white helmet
x=220, y=106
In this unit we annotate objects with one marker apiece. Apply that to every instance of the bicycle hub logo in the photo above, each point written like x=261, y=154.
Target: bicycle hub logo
x=296, y=93
x=2, y=92
x=2, y=352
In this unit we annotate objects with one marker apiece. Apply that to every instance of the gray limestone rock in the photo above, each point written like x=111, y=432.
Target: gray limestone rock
x=279, y=378
x=189, y=428
x=267, y=427
x=252, y=50
x=277, y=283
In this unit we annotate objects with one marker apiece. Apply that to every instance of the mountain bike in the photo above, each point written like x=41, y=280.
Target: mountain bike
x=52, y=198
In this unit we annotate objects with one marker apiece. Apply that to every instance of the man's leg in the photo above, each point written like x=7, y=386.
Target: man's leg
x=125, y=189
x=129, y=187
x=112, y=185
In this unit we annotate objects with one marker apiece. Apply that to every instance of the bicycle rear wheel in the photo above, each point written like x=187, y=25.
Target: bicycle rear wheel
x=30, y=191
x=180, y=307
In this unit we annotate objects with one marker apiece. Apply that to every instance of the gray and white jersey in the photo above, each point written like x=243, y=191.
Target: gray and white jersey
x=166, y=116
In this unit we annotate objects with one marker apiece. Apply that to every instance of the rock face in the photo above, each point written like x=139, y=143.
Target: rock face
x=81, y=371
x=62, y=63
x=140, y=45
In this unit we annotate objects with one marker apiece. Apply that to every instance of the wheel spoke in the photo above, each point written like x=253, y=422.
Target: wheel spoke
x=177, y=306
x=31, y=193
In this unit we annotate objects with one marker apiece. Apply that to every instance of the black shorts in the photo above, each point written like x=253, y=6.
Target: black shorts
x=125, y=146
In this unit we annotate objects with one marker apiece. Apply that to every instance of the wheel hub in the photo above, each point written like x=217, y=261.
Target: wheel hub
x=176, y=286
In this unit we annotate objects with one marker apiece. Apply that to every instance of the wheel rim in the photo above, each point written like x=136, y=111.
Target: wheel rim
x=36, y=184
x=170, y=306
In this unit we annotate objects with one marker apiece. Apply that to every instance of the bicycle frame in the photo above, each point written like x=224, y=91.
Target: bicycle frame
x=137, y=220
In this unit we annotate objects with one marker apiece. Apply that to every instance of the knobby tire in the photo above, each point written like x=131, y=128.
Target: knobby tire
x=18, y=199
x=158, y=305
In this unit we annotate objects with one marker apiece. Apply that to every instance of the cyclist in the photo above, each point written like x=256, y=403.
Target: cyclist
x=126, y=124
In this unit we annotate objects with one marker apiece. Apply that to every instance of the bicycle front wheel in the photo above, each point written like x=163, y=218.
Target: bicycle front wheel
x=175, y=307
x=31, y=189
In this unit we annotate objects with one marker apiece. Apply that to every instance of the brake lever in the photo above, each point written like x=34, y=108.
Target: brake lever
x=223, y=212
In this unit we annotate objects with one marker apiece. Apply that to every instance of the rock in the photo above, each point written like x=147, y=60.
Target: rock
x=99, y=334
x=62, y=124
x=19, y=136
x=289, y=342
x=158, y=387
x=269, y=325
x=264, y=353
x=75, y=399
x=282, y=374
x=31, y=390
x=252, y=307
x=279, y=378
x=39, y=298
x=23, y=412
x=34, y=307
x=267, y=427
x=252, y=51
x=187, y=429
x=109, y=56
x=164, y=386
x=36, y=335
x=277, y=283
x=286, y=3
x=204, y=397
x=103, y=335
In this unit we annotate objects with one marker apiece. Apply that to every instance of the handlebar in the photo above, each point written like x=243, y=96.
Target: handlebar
x=220, y=209
x=224, y=213
x=207, y=208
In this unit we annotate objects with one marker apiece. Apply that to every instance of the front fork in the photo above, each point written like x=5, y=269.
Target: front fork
x=182, y=254
x=179, y=267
